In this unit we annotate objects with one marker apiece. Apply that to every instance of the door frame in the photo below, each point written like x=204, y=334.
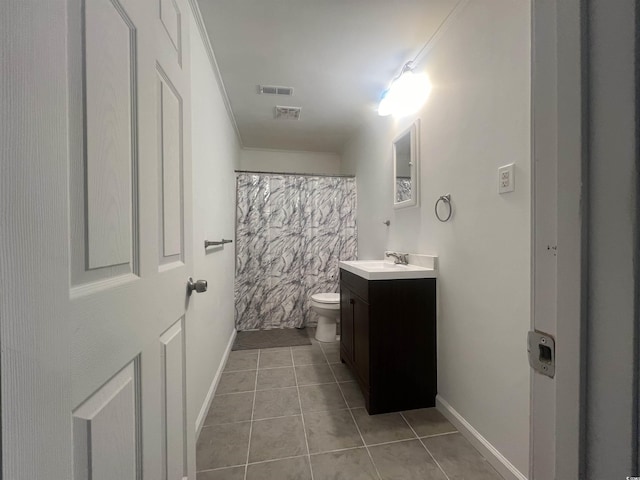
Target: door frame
x=560, y=88
x=570, y=73
x=636, y=420
x=34, y=360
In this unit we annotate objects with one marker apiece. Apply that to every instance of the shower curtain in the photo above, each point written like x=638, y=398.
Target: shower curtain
x=291, y=231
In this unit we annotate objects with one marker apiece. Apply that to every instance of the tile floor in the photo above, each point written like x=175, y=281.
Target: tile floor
x=296, y=414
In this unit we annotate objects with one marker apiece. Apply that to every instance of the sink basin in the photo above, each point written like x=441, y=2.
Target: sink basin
x=386, y=270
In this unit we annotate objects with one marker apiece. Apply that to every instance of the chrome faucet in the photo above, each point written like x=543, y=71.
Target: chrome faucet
x=400, y=258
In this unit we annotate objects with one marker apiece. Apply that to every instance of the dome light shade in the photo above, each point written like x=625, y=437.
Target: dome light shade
x=406, y=95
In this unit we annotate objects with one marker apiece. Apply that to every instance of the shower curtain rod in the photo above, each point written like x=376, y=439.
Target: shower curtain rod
x=298, y=174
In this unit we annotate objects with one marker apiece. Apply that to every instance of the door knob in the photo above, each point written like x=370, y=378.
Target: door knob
x=198, y=286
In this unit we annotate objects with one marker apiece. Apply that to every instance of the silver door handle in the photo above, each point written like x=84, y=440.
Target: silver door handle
x=198, y=286
x=212, y=243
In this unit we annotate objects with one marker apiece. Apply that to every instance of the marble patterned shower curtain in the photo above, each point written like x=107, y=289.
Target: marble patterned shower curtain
x=291, y=231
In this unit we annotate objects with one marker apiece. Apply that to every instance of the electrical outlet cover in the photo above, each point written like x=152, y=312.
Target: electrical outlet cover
x=506, y=179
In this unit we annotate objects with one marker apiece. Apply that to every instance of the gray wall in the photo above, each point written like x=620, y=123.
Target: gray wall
x=215, y=151
x=263, y=160
x=476, y=119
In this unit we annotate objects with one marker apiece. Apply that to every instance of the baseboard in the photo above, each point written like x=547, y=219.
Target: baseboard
x=214, y=385
x=493, y=456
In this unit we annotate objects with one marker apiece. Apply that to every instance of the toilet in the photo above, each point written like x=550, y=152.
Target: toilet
x=327, y=306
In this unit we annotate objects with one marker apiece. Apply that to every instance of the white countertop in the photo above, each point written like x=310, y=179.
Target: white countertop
x=386, y=270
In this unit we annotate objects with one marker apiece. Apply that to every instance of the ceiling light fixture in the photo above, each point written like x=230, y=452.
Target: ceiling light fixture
x=406, y=94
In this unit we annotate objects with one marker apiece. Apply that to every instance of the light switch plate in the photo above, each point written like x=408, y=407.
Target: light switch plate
x=506, y=179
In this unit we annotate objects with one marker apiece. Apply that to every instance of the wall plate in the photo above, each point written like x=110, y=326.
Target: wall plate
x=506, y=179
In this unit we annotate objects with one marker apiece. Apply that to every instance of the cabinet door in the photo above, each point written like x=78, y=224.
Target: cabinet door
x=361, y=337
x=346, y=322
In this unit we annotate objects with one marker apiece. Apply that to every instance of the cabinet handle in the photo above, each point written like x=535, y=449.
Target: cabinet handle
x=352, y=301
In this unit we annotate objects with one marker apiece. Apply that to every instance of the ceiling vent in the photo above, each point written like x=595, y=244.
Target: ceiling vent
x=287, y=113
x=274, y=90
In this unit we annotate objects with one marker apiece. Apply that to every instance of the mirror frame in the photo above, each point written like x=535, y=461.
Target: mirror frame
x=414, y=141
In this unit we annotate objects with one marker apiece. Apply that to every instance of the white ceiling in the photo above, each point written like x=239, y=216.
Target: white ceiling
x=338, y=55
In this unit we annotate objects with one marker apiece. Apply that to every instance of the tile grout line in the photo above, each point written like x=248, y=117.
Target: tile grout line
x=364, y=446
x=337, y=450
x=266, y=418
x=278, y=459
x=425, y=447
x=352, y=417
x=317, y=411
x=281, y=366
x=237, y=393
x=304, y=428
x=256, y=420
x=253, y=463
x=434, y=459
x=278, y=388
x=269, y=368
x=253, y=408
x=326, y=451
x=281, y=388
x=439, y=434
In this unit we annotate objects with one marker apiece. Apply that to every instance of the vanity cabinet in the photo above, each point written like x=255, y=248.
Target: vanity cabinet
x=388, y=340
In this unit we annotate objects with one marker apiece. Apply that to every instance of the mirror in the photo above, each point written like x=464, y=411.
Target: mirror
x=405, y=167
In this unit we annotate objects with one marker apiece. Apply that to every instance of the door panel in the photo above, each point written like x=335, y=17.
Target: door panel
x=103, y=145
x=173, y=405
x=170, y=109
x=110, y=78
x=105, y=430
x=171, y=20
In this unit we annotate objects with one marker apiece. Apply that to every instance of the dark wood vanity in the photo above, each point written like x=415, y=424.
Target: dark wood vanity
x=388, y=340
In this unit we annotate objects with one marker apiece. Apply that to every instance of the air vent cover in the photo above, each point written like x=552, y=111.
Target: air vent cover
x=275, y=90
x=287, y=113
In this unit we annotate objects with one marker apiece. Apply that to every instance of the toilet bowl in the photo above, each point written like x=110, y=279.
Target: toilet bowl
x=327, y=306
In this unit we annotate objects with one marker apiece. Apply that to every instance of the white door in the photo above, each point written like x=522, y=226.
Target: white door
x=97, y=215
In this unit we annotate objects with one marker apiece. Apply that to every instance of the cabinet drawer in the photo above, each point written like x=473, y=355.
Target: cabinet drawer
x=356, y=284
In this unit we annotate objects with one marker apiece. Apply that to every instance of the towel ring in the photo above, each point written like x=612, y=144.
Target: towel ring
x=447, y=200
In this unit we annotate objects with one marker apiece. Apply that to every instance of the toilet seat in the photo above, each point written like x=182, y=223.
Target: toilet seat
x=327, y=298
